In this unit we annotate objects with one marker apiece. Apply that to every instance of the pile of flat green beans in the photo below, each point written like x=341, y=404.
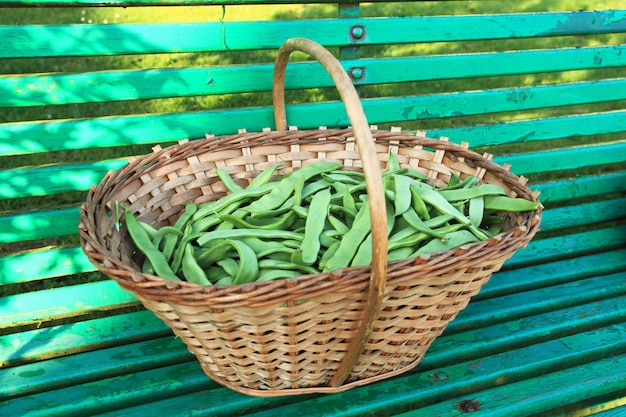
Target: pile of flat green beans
x=316, y=219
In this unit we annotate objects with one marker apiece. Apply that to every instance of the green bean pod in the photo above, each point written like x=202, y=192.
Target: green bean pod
x=451, y=241
x=191, y=270
x=314, y=226
x=145, y=245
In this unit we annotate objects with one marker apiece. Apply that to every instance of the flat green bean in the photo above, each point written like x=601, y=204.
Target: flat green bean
x=151, y=231
x=402, y=201
x=469, y=193
x=145, y=245
x=274, y=274
x=248, y=265
x=191, y=270
x=314, y=226
x=227, y=280
x=393, y=163
x=215, y=272
x=363, y=255
x=452, y=240
x=419, y=205
x=278, y=264
x=229, y=183
x=281, y=223
x=164, y=232
x=206, y=238
x=337, y=224
x=414, y=221
x=442, y=205
x=351, y=241
x=476, y=210
x=510, y=204
x=264, y=177
x=190, y=210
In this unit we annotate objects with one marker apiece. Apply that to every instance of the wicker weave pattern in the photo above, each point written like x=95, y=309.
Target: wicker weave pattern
x=288, y=336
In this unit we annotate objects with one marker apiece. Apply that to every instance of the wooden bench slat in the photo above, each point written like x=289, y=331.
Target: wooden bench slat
x=610, y=409
x=583, y=214
x=87, y=398
x=546, y=128
x=53, y=342
x=545, y=299
x=39, y=307
x=546, y=392
x=104, y=363
x=107, y=86
x=583, y=186
x=53, y=40
x=42, y=264
x=544, y=250
x=553, y=273
x=38, y=225
x=471, y=103
x=51, y=179
x=570, y=158
x=137, y=3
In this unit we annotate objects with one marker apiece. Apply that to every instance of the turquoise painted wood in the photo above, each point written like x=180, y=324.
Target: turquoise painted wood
x=543, y=92
x=28, y=90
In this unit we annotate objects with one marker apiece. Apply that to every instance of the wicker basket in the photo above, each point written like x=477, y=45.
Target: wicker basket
x=314, y=333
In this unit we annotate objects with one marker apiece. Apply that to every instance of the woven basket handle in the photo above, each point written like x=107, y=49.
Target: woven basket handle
x=371, y=169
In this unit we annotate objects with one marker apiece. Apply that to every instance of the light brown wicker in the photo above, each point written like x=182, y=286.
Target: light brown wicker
x=315, y=333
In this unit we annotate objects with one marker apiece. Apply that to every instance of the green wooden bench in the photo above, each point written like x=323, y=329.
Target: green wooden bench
x=542, y=90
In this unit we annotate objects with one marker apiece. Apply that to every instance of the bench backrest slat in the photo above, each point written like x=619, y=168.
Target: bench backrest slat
x=90, y=87
x=85, y=40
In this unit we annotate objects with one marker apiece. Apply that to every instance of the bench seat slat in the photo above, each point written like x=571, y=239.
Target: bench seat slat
x=544, y=393
x=479, y=342
x=105, y=363
x=38, y=225
x=39, y=306
x=545, y=299
x=574, y=244
x=61, y=40
x=583, y=214
x=106, y=86
x=52, y=342
x=87, y=399
x=554, y=273
x=44, y=263
x=610, y=409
